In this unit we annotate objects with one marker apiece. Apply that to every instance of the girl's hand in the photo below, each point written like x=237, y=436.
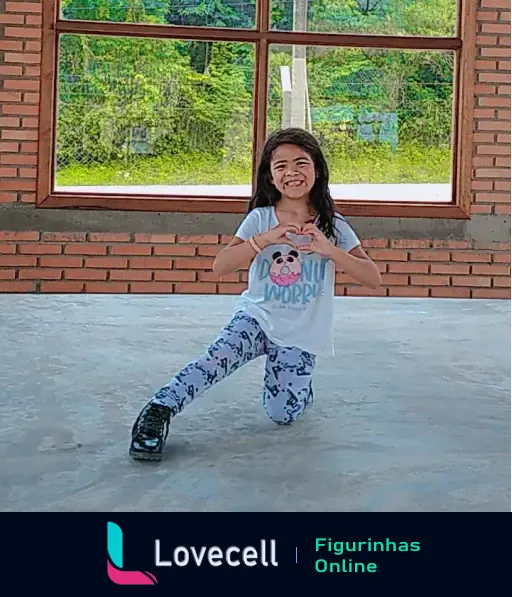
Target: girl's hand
x=319, y=244
x=277, y=236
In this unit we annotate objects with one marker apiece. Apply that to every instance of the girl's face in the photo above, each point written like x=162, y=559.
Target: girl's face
x=292, y=171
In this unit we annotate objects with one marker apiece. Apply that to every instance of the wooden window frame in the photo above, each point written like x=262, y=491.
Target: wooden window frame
x=463, y=44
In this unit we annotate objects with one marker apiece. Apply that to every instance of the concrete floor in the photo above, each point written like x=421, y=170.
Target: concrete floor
x=412, y=414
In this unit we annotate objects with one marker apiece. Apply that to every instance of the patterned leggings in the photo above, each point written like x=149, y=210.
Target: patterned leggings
x=287, y=385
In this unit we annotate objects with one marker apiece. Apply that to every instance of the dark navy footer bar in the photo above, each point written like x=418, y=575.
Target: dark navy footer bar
x=75, y=553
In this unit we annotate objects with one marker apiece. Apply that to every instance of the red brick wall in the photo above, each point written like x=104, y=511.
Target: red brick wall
x=40, y=261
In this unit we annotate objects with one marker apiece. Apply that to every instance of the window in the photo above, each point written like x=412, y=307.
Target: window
x=166, y=104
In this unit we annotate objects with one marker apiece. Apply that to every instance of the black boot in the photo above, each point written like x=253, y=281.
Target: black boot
x=150, y=431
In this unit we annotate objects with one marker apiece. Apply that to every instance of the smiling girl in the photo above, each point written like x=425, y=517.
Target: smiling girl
x=293, y=241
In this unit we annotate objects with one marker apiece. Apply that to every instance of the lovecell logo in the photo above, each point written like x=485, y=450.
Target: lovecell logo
x=115, y=561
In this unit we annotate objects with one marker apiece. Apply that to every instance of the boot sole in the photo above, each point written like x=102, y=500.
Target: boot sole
x=146, y=456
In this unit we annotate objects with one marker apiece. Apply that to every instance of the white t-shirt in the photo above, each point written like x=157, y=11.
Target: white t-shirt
x=291, y=294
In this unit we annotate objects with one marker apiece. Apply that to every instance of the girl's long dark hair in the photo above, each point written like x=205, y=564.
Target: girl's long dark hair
x=266, y=193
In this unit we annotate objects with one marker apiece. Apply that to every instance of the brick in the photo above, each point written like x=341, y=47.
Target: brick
x=10, y=96
x=7, y=274
x=502, y=185
x=339, y=290
x=107, y=287
x=387, y=255
x=40, y=249
x=195, y=288
x=225, y=239
x=491, y=125
x=486, y=40
x=408, y=291
x=61, y=261
x=20, y=135
x=450, y=292
x=502, y=210
x=481, y=209
x=7, y=249
x=22, y=58
x=483, y=137
x=493, y=77
x=33, y=71
x=503, y=162
x=504, y=138
x=29, y=147
x=471, y=257
x=151, y=287
x=493, y=149
x=495, y=4
x=18, y=185
x=394, y=279
x=410, y=267
x=155, y=238
x=449, y=268
x=63, y=237
x=494, y=53
x=195, y=263
x=375, y=243
x=30, y=123
x=33, y=7
x=505, y=66
x=502, y=102
x=33, y=46
x=485, y=89
x=495, y=245
x=362, y=291
x=19, y=159
x=213, y=277
x=130, y=249
x=106, y=262
x=207, y=250
x=504, y=89
x=199, y=239
x=495, y=28
x=491, y=293
x=485, y=64
x=20, y=109
x=85, y=249
x=62, y=286
x=178, y=250
x=492, y=173
x=430, y=256
x=9, y=147
x=492, y=197
x=490, y=270
x=501, y=257
x=85, y=274
x=11, y=19
x=28, y=198
x=21, y=32
x=480, y=162
x=484, y=113
x=231, y=288
x=131, y=274
x=33, y=20
x=22, y=84
x=40, y=273
x=10, y=71
x=7, y=172
x=410, y=244
x=503, y=282
x=17, y=260
x=451, y=244
x=10, y=46
x=28, y=172
x=109, y=237
x=150, y=263
x=17, y=286
x=471, y=281
x=19, y=236
x=175, y=276
x=504, y=115
x=487, y=15
x=430, y=280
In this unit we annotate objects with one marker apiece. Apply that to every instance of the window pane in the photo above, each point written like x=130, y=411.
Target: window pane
x=379, y=17
x=383, y=117
x=198, y=13
x=154, y=116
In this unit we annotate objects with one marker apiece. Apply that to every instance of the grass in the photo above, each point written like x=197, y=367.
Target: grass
x=409, y=164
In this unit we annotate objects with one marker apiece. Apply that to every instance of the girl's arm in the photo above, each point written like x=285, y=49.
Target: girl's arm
x=358, y=265
x=238, y=254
